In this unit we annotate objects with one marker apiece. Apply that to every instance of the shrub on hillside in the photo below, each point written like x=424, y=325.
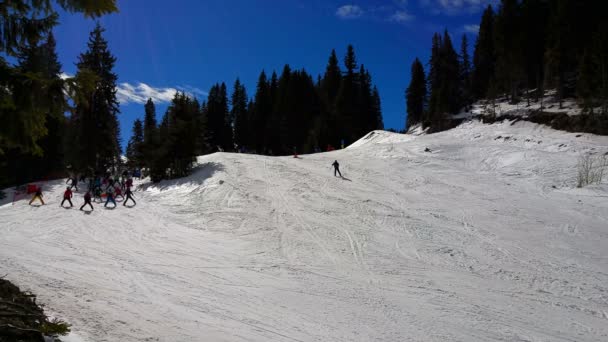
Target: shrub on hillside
x=591, y=169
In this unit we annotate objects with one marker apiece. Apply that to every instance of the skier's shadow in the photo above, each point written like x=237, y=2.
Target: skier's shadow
x=346, y=179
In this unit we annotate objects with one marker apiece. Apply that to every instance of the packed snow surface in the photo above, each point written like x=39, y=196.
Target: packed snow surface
x=485, y=237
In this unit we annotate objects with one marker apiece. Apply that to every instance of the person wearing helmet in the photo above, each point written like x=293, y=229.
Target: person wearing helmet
x=67, y=196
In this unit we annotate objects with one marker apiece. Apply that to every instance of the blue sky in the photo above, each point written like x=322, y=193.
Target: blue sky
x=189, y=45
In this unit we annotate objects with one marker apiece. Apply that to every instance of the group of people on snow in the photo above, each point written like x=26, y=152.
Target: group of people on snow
x=114, y=187
x=111, y=187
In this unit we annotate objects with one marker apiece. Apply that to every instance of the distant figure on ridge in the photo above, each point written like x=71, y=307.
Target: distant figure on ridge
x=336, y=166
x=37, y=195
x=67, y=196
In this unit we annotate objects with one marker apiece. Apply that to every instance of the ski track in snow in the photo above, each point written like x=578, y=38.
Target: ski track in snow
x=485, y=238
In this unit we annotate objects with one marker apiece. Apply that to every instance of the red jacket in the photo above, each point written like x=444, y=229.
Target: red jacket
x=67, y=194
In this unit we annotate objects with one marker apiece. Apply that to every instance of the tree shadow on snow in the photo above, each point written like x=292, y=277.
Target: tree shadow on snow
x=199, y=174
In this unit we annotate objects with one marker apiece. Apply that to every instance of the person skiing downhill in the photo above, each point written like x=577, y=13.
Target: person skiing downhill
x=38, y=195
x=336, y=166
x=110, y=196
x=67, y=196
x=87, y=200
x=129, y=195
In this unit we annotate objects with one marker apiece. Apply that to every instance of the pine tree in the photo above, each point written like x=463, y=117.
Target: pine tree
x=366, y=121
x=225, y=120
x=347, y=111
x=560, y=56
x=24, y=24
x=329, y=88
x=534, y=20
x=150, y=132
x=262, y=108
x=508, y=42
x=377, y=109
x=587, y=84
x=416, y=95
x=240, y=115
x=465, y=73
x=40, y=92
x=135, y=147
x=97, y=143
x=181, y=135
x=484, y=55
x=434, y=80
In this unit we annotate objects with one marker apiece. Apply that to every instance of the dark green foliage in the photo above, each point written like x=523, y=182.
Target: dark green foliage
x=262, y=109
x=93, y=143
x=24, y=320
x=507, y=43
x=444, y=83
x=240, y=115
x=416, y=95
x=40, y=91
x=347, y=109
x=177, y=134
x=26, y=22
x=533, y=23
x=465, y=75
x=292, y=111
x=527, y=47
x=151, y=140
x=180, y=145
x=218, y=119
x=135, y=147
x=484, y=55
x=376, y=110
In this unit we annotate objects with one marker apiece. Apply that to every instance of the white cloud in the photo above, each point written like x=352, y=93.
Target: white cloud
x=471, y=29
x=140, y=93
x=349, y=12
x=452, y=7
x=401, y=17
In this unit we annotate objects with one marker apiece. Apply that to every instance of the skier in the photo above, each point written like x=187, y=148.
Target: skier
x=118, y=192
x=74, y=182
x=87, y=200
x=67, y=196
x=129, y=183
x=110, y=196
x=38, y=195
x=129, y=194
x=336, y=166
x=97, y=193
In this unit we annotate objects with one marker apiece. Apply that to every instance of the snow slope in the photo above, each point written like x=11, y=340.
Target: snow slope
x=484, y=238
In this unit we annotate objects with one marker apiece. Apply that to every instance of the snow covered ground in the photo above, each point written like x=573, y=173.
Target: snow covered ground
x=484, y=238
x=502, y=106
